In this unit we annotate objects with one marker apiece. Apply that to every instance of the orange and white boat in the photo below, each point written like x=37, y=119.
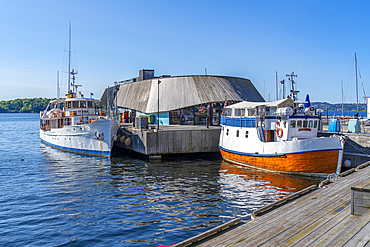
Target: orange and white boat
x=279, y=136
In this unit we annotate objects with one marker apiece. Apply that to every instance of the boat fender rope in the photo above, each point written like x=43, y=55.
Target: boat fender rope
x=279, y=132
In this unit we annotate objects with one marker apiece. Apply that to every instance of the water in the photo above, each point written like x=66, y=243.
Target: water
x=345, y=113
x=50, y=197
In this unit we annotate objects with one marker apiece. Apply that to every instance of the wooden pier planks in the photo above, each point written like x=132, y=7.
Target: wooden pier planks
x=320, y=218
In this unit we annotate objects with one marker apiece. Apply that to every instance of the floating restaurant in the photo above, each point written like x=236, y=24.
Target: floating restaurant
x=178, y=100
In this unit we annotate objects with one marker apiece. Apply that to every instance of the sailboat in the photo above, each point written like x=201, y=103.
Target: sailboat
x=74, y=123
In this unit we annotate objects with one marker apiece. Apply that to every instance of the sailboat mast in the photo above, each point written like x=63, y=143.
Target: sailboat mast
x=69, y=59
x=356, y=81
x=58, y=88
x=342, y=96
x=276, y=82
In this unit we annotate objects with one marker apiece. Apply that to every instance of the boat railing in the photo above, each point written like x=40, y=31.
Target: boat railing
x=238, y=122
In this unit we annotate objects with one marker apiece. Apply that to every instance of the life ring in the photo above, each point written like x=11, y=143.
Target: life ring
x=279, y=132
x=312, y=108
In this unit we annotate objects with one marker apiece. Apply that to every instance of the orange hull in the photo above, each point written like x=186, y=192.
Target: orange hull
x=320, y=162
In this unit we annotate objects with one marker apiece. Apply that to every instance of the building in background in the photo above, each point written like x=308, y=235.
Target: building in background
x=182, y=100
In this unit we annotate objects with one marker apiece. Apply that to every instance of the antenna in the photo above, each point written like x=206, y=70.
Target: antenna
x=73, y=73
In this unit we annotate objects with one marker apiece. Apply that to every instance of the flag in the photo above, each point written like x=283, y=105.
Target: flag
x=308, y=103
x=159, y=82
x=223, y=110
x=282, y=82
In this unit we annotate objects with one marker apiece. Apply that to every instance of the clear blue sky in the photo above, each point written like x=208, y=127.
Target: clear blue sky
x=113, y=40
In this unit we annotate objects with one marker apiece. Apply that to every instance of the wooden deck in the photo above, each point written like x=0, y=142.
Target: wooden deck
x=320, y=218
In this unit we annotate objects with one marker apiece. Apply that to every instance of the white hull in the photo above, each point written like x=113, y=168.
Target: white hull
x=94, y=139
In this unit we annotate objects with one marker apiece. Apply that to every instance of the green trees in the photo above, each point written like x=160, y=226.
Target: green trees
x=24, y=105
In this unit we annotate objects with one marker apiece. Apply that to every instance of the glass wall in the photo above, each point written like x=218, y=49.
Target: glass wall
x=194, y=115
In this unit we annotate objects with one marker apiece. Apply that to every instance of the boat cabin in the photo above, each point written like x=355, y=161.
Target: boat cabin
x=70, y=111
x=278, y=120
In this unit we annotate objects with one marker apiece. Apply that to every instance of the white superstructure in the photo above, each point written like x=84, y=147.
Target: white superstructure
x=278, y=136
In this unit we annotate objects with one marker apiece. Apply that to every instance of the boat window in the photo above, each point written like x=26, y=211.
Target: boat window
x=90, y=104
x=272, y=111
x=305, y=124
x=227, y=132
x=292, y=124
x=239, y=112
x=299, y=124
x=310, y=124
x=83, y=104
x=75, y=104
x=252, y=112
x=237, y=133
x=68, y=120
x=246, y=134
x=228, y=111
x=315, y=124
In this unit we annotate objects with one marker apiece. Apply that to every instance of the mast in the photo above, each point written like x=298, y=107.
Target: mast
x=342, y=96
x=58, y=88
x=293, y=92
x=69, y=59
x=356, y=81
x=276, y=82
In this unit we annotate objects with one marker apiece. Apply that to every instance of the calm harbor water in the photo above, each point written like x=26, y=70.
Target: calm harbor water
x=50, y=197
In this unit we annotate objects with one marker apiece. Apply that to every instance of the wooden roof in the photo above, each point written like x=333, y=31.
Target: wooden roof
x=183, y=91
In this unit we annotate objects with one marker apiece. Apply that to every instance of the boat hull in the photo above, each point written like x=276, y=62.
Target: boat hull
x=93, y=139
x=306, y=163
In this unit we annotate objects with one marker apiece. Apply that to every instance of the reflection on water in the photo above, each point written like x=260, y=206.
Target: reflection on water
x=248, y=189
x=155, y=203
x=55, y=197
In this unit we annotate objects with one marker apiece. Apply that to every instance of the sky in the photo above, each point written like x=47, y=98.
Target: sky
x=113, y=39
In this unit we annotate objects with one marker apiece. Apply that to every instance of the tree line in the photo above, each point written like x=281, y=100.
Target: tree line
x=39, y=104
x=24, y=105
x=338, y=106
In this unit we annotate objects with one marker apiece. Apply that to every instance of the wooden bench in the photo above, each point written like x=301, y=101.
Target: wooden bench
x=360, y=198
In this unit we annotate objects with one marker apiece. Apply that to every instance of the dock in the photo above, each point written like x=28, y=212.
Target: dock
x=189, y=139
x=170, y=139
x=321, y=217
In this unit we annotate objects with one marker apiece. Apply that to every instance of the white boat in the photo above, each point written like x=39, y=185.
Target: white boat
x=279, y=136
x=74, y=124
